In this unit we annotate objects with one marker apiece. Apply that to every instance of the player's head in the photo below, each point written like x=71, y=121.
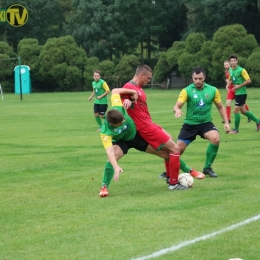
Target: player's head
x=226, y=65
x=144, y=74
x=96, y=75
x=115, y=117
x=198, y=76
x=233, y=60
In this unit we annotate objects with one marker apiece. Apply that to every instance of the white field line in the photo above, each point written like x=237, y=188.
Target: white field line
x=198, y=239
x=157, y=112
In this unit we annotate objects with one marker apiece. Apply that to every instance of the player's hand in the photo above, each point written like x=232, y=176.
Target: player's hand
x=227, y=128
x=89, y=99
x=117, y=172
x=134, y=98
x=178, y=113
x=127, y=103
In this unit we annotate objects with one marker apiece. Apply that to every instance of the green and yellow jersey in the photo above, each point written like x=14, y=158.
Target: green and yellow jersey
x=238, y=76
x=125, y=132
x=100, y=87
x=199, y=103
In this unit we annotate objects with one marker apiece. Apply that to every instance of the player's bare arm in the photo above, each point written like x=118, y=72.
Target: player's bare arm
x=228, y=84
x=101, y=96
x=223, y=114
x=92, y=95
x=177, y=109
x=113, y=161
x=248, y=81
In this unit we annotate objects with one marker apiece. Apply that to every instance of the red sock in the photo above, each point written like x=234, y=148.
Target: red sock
x=166, y=163
x=174, y=168
x=228, y=111
x=246, y=106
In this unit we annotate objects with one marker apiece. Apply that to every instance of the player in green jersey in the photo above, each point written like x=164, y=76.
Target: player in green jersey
x=100, y=91
x=199, y=97
x=240, y=79
x=118, y=135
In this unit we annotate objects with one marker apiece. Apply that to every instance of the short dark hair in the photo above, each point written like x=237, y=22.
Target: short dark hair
x=142, y=69
x=232, y=56
x=198, y=70
x=97, y=71
x=114, y=116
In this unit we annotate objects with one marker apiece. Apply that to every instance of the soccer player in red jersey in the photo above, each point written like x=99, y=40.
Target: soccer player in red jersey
x=154, y=134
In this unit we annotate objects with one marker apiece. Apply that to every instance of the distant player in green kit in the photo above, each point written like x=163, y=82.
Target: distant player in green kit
x=100, y=91
x=199, y=97
x=240, y=78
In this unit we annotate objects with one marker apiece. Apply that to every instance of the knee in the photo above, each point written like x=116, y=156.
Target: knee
x=215, y=140
x=176, y=149
x=165, y=155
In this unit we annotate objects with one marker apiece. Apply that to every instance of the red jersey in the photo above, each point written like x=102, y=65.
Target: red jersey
x=228, y=77
x=149, y=131
x=139, y=110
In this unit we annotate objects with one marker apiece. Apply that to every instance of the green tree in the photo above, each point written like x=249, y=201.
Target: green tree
x=191, y=56
x=90, y=66
x=253, y=67
x=168, y=61
x=194, y=42
x=107, y=69
x=95, y=25
x=173, y=18
x=29, y=51
x=8, y=61
x=207, y=16
x=126, y=68
x=162, y=68
x=44, y=21
x=62, y=64
x=112, y=28
x=227, y=40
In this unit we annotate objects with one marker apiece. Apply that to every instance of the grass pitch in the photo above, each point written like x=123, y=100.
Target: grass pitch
x=52, y=161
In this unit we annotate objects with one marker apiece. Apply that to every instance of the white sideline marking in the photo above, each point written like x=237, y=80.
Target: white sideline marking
x=156, y=112
x=193, y=241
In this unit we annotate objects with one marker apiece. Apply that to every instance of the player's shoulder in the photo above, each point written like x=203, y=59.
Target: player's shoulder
x=128, y=85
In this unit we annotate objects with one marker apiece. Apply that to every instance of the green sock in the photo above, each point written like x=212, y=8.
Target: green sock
x=184, y=167
x=211, y=154
x=251, y=116
x=237, y=121
x=98, y=119
x=108, y=174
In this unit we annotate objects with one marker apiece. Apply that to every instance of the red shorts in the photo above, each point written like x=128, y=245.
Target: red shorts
x=231, y=94
x=155, y=136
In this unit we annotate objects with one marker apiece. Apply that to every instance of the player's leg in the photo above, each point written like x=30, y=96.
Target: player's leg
x=161, y=140
x=250, y=116
x=239, y=102
x=109, y=170
x=209, y=132
x=102, y=111
x=183, y=166
x=247, y=109
x=97, y=117
x=228, y=109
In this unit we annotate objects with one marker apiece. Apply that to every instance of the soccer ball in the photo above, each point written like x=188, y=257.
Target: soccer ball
x=186, y=180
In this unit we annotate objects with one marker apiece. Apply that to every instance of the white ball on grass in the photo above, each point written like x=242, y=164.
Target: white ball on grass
x=186, y=179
